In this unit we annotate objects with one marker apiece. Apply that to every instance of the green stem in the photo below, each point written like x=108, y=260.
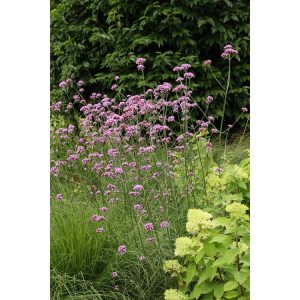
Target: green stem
x=224, y=104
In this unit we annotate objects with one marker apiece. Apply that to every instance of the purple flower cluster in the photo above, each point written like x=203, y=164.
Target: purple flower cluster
x=122, y=249
x=149, y=226
x=140, y=63
x=228, y=50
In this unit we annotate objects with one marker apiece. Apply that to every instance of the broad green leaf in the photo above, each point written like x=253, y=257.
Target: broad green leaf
x=203, y=276
x=220, y=262
x=222, y=221
x=240, y=277
x=221, y=238
x=212, y=271
x=199, y=256
x=231, y=294
x=230, y=255
x=210, y=249
x=246, y=284
x=190, y=273
x=218, y=291
x=230, y=285
x=201, y=289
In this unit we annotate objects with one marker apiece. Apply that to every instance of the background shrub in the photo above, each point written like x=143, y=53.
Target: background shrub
x=95, y=40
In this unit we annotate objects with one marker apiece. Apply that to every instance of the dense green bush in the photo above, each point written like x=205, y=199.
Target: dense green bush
x=95, y=40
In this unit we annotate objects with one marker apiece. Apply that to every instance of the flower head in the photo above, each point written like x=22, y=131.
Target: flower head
x=237, y=210
x=138, y=187
x=188, y=75
x=199, y=220
x=183, y=246
x=149, y=226
x=114, y=274
x=59, y=197
x=209, y=99
x=164, y=224
x=206, y=63
x=173, y=267
x=122, y=249
x=140, y=61
x=119, y=170
x=173, y=294
x=228, y=50
x=100, y=230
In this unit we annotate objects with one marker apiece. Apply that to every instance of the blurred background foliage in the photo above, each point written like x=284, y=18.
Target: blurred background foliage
x=95, y=40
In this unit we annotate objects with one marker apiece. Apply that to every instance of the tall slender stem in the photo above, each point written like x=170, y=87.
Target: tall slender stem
x=224, y=104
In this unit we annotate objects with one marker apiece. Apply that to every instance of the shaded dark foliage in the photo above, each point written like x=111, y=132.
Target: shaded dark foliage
x=94, y=40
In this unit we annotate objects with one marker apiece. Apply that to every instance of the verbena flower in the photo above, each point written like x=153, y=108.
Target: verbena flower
x=100, y=230
x=80, y=83
x=122, y=249
x=96, y=218
x=138, y=187
x=140, y=61
x=164, y=224
x=206, y=62
x=114, y=274
x=149, y=226
x=59, y=197
x=228, y=50
x=119, y=170
x=188, y=75
x=209, y=99
x=103, y=209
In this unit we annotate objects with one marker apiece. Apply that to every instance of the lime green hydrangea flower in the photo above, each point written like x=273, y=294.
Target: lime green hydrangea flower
x=214, y=182
x=183, y=246
x=243, y=248
x=199, y=220
x=172, y=266
x=237, y=211
x=173, y=294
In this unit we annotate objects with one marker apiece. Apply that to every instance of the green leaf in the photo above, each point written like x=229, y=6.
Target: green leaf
x=218, y=291
x=241, y=277
x=221, y=261
x=210, y=249
x=190, y=273
x=203, y=276
x=231, y=294
x=222, y=221
x=230, y=285
x=199, y=256
x=212, y=271
x=201, y=289
x=221, y=238
x=230, y=255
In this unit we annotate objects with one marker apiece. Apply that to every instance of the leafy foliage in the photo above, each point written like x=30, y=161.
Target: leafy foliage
x=216, y=257
x=96, y=40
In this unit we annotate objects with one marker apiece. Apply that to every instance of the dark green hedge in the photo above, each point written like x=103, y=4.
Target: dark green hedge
x=95, y=40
